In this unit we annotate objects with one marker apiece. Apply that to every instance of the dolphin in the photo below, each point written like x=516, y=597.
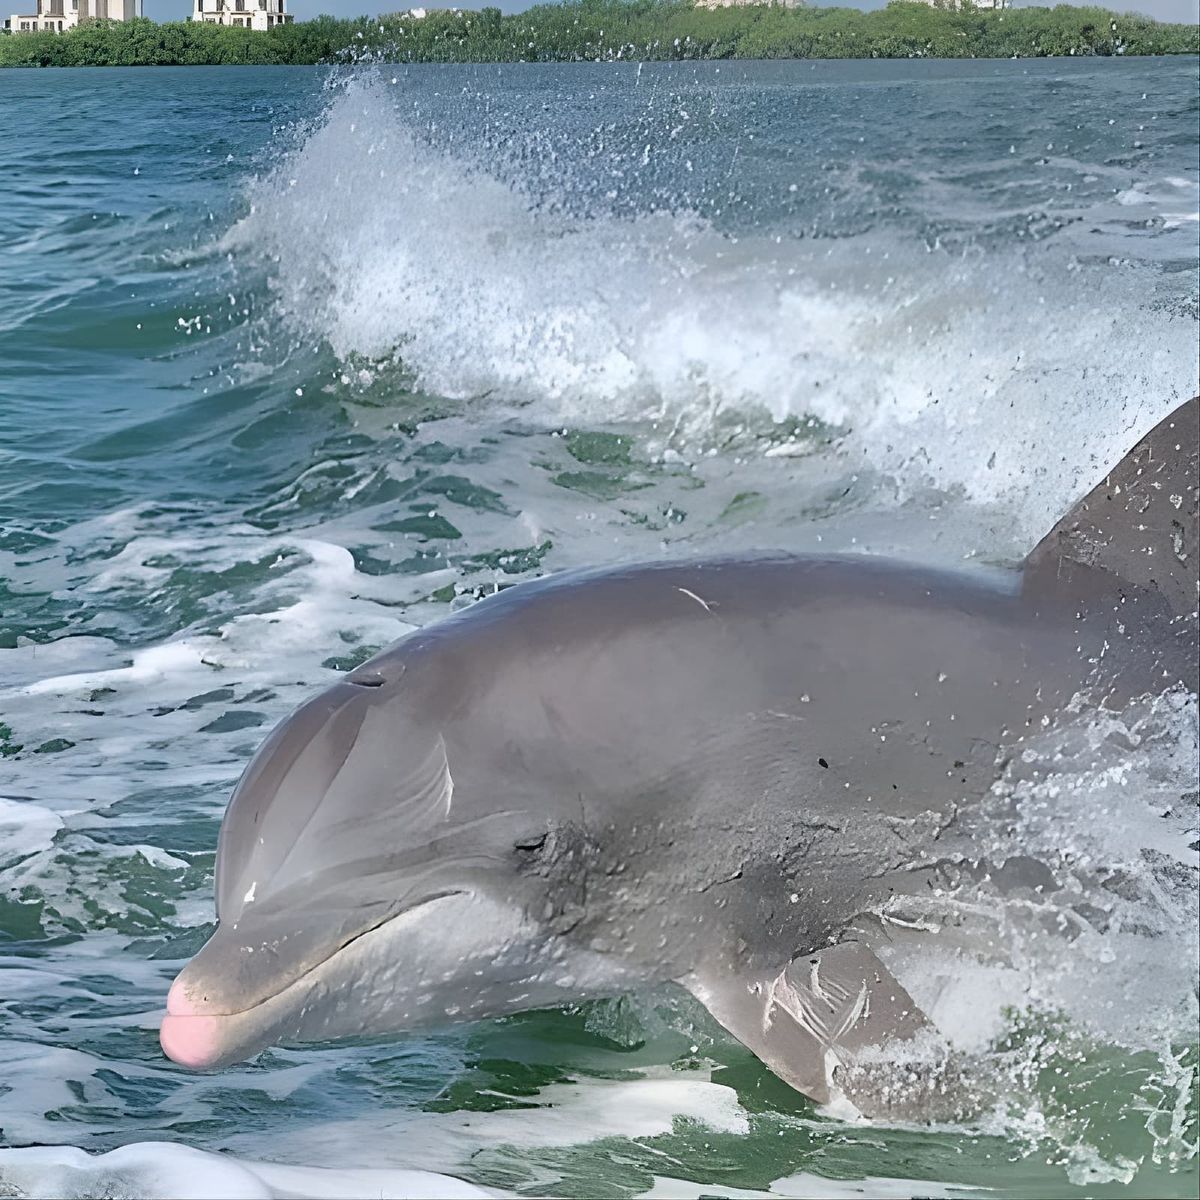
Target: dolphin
x=716, y=773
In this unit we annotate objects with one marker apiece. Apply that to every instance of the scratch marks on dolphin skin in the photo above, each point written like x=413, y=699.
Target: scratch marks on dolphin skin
x=782, y=716
x=887, y=918
x=427, y=792
x=826, y=1010
x=704, y=604
x=444, y=784
x=732, y=877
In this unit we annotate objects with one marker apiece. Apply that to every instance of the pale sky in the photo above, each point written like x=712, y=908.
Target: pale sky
x=178, y=10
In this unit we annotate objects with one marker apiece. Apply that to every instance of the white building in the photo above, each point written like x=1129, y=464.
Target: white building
x=61, y=15
x=749, y=3
x=250, y=14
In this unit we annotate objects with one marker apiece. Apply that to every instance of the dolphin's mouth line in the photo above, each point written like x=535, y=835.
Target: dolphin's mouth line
x=318, y=966
x=403, y=912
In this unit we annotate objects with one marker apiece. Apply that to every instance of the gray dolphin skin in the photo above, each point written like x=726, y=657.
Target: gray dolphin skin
x=721, y=773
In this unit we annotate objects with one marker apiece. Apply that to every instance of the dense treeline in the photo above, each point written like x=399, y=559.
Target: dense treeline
x=615, y=29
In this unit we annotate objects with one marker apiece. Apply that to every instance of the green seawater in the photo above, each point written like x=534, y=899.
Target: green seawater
x=292, y=362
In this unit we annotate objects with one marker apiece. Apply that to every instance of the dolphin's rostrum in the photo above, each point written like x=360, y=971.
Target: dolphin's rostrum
x=717, y=773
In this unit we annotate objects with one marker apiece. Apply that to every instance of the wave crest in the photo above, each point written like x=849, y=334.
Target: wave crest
x=1012, y=377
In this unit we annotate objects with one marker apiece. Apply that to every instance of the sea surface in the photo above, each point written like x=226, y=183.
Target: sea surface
x=295, y=360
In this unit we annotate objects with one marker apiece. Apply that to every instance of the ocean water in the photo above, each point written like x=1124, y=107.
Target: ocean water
x=293, y=361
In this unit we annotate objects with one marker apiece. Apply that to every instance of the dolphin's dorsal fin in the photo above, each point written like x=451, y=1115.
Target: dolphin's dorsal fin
x=1137, y=529
x=836, y=1025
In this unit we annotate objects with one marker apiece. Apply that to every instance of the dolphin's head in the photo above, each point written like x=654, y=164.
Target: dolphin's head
x=355, y=892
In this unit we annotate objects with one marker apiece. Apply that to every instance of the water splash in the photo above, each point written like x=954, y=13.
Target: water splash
x=1000, y=373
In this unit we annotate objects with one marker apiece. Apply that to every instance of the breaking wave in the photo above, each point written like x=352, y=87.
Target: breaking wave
x=1004, y=374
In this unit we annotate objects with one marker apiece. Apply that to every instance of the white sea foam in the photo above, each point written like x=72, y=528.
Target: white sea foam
x=169, y=1171
x=173, y=1172
x=566, y=1115
x=805, y=1186
x=586, y=1110
x=25, y=828
x=1171, y=201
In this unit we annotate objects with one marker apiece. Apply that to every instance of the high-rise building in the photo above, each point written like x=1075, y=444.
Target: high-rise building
x=250, y=14
x=61, y=15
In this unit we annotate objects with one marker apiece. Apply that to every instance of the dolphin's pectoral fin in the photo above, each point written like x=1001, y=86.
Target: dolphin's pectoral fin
x=837, y=1026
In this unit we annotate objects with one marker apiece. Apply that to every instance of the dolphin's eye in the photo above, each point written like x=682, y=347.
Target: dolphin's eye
x=365, y=680
x=528, y=847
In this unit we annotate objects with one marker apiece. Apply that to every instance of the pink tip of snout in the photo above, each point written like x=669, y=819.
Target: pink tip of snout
x=191, y=1041
x=188, y=1035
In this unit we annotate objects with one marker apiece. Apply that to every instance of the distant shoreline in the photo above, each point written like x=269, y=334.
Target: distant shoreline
x=615, y=30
